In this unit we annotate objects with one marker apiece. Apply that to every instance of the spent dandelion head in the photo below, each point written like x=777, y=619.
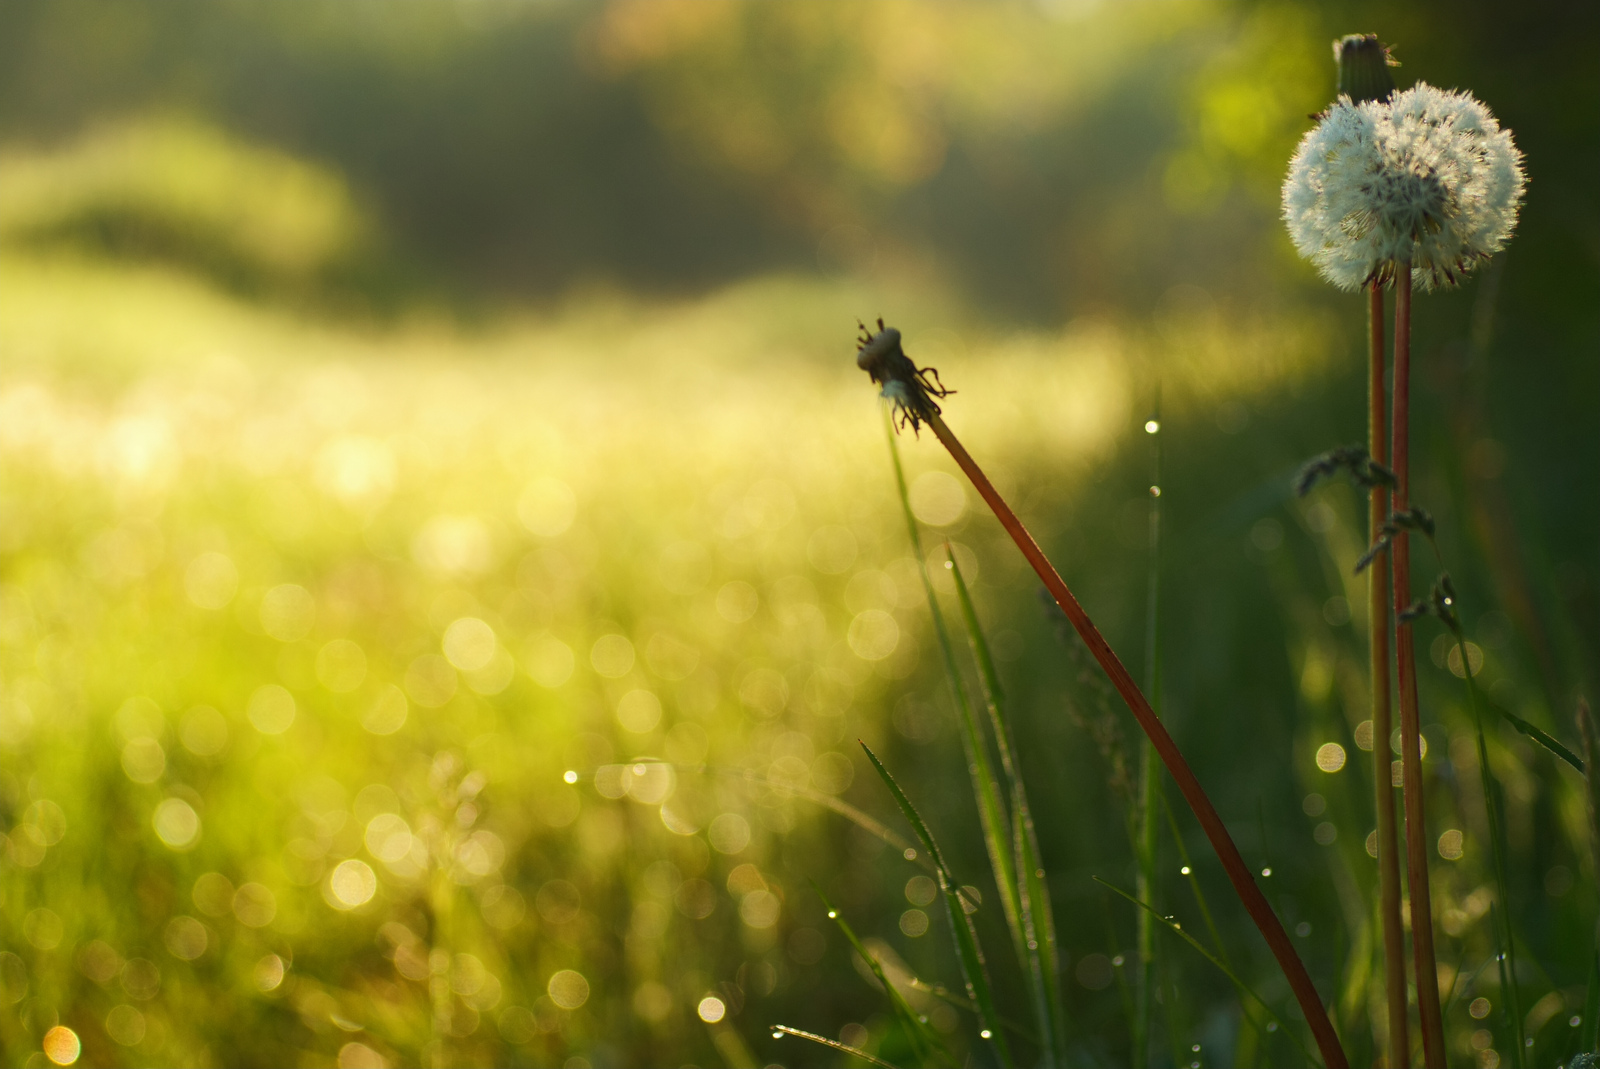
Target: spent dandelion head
x=1364, y=64
x=1425, y=177
x=909, y=388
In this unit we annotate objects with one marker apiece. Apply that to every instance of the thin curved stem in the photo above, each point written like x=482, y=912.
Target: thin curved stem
x=1255, y=902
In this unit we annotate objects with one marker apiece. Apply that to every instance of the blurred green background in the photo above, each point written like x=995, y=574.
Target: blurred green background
x=402, y=406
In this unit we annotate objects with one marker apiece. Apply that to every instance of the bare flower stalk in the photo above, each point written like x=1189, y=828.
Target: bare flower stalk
x=1394, y=952
x=907, y=386
x=1422, y=953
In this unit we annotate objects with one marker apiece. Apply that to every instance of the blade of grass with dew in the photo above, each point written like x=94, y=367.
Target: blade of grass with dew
x=1149, y=782
x=944, y=994
x=1200, y=948
x=1038, y=929
x=1537, y=734
x=1497, y=848
x=968, y=949
x=985, y=787
x=864, y=821
x=854, y=1052
x=927, y=1047
x=1188, y=873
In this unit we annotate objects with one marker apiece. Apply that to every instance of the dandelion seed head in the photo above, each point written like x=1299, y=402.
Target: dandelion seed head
x=1426, y=177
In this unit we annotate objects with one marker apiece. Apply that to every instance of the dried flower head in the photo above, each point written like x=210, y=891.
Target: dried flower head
x=1426, y=177
x=911, y=389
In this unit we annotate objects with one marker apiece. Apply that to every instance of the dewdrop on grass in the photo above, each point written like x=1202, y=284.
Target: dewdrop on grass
x=1425, y=177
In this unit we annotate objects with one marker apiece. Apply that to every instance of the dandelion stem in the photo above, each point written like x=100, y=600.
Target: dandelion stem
x=1255, y=903
x=1394, y=952
x=1422, y=953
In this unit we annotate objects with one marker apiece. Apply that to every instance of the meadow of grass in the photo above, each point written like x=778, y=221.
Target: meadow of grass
x=305, y=623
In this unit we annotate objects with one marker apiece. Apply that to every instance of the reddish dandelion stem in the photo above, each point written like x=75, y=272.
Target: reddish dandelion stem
x=1422, y=953
x=1255, y=902
x=1394, y=950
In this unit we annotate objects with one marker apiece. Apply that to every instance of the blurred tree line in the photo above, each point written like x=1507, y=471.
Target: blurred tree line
x=1041, y=160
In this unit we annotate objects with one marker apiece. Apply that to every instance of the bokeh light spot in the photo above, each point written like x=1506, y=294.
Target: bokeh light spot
x=254, y=905
x=873, y=635
x=271, y=709
x=203, y=731
x=61, y=1045
x=125, y=1025
x=1330, y=757
x=176, y=824
x=914, y=923
x=711, y=1009
x=737, y=601
x=341, y=666
x=548, y=661
x=287, y=612
x=729, y=833
x=470, y=644
x=351, y=884
x=186, y=938
x=388, y=711
x=612, y=656
x=568, y=989
x=938, y=498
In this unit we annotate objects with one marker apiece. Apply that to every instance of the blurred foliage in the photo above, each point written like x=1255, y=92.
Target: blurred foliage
x=404, y=406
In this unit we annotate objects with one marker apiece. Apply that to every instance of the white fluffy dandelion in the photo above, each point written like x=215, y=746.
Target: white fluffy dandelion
x=1426, y=177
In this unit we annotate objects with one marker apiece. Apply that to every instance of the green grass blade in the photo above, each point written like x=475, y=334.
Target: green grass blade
x=1200, y=948
x=968, y=949
x=1591, y=1006
x=854, y=1052
x=1538, y=735
x=927, y=1047
x=1150, y=795
x=1035, y=935
x=1497, y=847
x=992, y=816
x=944, y=994
x=1194, y=881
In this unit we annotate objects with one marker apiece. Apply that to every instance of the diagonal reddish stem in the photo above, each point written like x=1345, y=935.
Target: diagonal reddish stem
x=1255, y=903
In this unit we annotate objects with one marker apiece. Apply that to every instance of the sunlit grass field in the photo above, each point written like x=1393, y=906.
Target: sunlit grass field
x=333, y=654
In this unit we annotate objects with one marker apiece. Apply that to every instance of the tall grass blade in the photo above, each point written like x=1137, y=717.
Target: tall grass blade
x=992, y=816
x=854, y=1052
x=1194, y=881
x=1149, y=781
x=966, y=936
x=1036, y=936
x=1497, y=848
x=1244, y=989
x=1535, y=733
x=926, y=1046
x=1589, y=738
